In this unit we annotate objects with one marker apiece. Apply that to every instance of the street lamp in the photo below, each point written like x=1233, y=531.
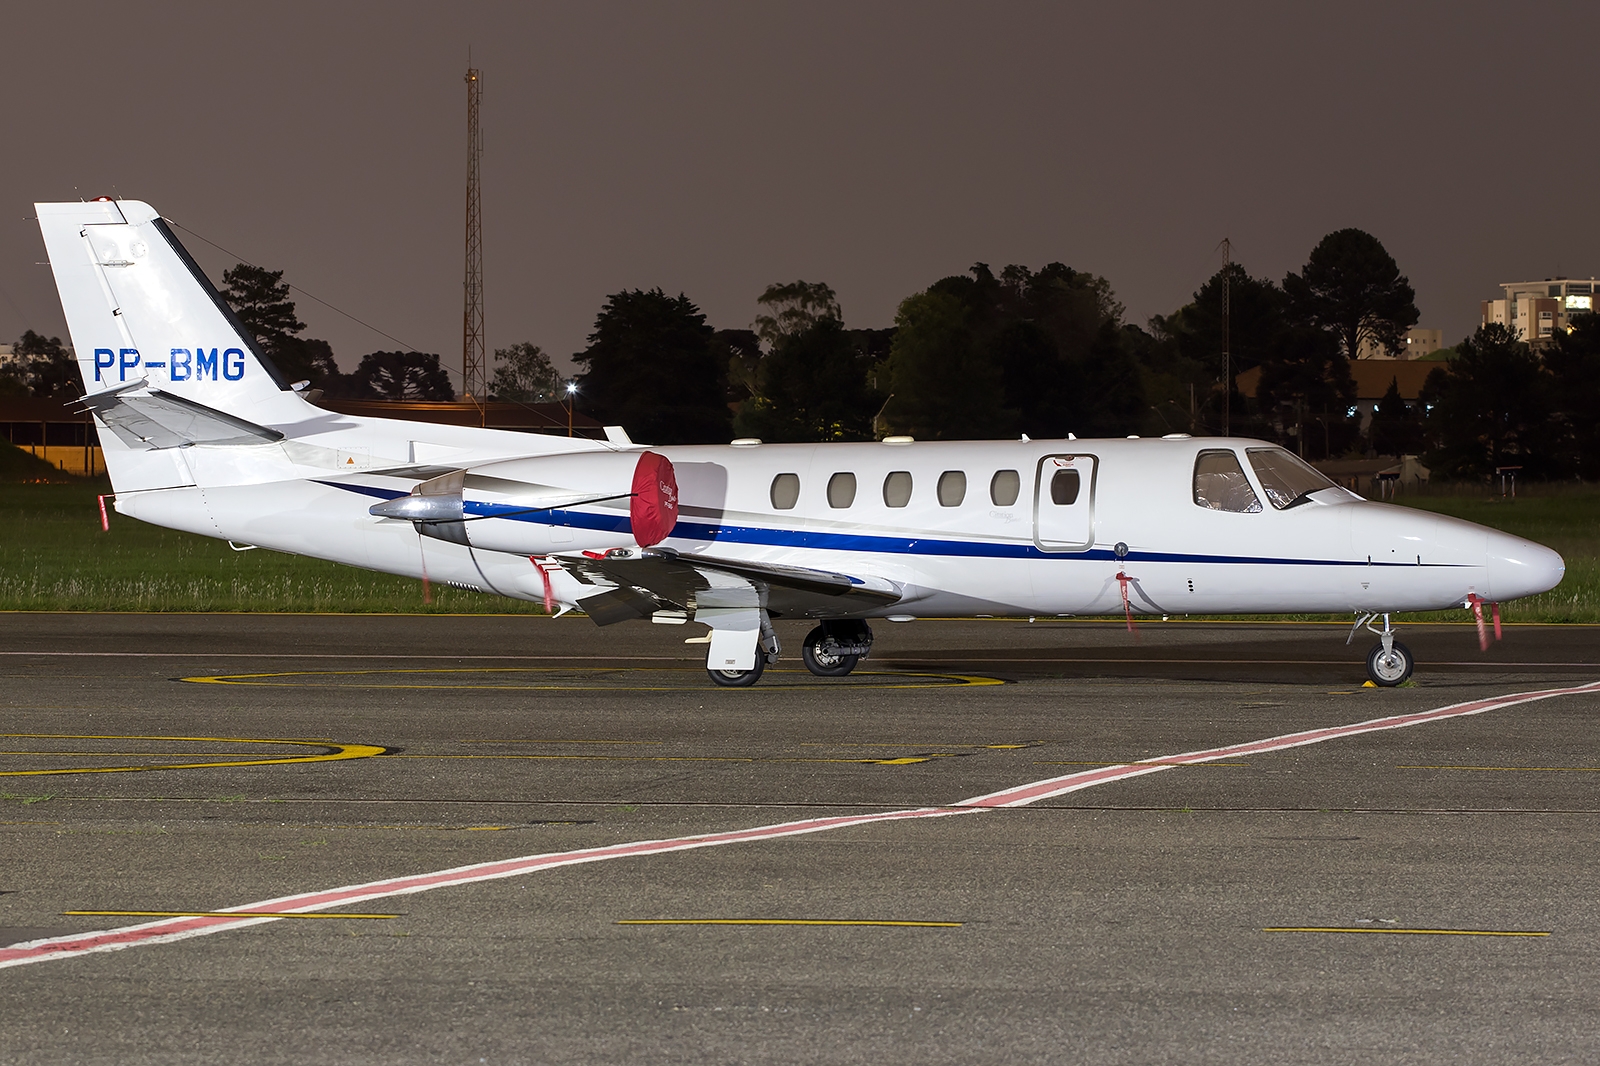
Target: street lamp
x=572, y=391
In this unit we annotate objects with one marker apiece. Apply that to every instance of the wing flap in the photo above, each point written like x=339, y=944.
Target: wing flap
x=699, y=581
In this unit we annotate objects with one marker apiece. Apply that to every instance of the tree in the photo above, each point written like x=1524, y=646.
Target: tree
x=261, y=300
x=1182, y=355
x=794, y=308
x=1046, y=336
x=525, y=374
x=943, y=385
x=1396, y=428
x=47, y=366
x=1573, y=363
x=13, y=379
x=811, y=387
x=1352, y=287
x=1492, y=407
x=1255, y=312
x=1305, y=380
x=740, y=349
x=652, y=368
x=403, y=376
x=307, y=359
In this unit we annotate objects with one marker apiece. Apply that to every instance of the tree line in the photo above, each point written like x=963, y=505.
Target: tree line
x=987, y=354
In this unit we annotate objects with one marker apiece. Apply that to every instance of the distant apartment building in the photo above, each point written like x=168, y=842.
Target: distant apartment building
x=1535, y=310
x=1418, y=343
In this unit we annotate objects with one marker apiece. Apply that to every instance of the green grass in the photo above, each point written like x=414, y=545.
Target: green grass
x=54, y=557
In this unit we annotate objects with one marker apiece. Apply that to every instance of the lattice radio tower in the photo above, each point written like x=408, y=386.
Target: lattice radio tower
x=1227, y=350
x=474, y=369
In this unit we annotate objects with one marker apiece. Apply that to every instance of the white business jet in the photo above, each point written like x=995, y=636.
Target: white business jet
x=201, y=433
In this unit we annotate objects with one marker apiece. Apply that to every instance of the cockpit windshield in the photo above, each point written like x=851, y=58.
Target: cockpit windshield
x=1286, y=478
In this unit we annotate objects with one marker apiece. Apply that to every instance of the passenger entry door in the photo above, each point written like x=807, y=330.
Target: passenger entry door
x=1063, y=503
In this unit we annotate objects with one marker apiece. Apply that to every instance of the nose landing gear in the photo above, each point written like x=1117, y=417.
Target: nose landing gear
x=1390, y=662
x=833, y=648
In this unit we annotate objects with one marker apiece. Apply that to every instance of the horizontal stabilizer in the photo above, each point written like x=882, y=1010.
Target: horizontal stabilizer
x=147, y=419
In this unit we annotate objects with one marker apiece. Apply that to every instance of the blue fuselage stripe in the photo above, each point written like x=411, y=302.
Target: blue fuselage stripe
x=819, y=540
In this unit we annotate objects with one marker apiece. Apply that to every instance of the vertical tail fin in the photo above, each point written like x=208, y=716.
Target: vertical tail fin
x=139, y=308
x=145, y=319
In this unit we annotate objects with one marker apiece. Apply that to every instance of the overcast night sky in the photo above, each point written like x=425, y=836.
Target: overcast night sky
x=715, y=148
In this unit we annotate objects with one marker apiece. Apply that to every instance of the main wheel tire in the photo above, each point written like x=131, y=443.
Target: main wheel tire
x=1391, y=668
x=824, y=663
x=740, y=678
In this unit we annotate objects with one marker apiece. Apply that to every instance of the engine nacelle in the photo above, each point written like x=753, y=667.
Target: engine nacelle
x=545, y=505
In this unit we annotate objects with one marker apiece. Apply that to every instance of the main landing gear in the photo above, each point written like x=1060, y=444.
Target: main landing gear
x=766, y=652
x=1390, y=662
x=832, y=649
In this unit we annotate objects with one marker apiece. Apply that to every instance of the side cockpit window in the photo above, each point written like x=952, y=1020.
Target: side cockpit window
x=1286, y=478
x=1220, y=484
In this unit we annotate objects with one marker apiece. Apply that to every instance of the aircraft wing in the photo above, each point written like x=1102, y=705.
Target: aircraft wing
x=650, y=579
x=157, y=419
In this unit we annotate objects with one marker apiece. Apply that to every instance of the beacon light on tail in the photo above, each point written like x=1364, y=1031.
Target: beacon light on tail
x=201, y=433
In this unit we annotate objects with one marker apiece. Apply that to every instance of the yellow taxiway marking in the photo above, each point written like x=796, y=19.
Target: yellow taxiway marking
x=1409, y=932
x=277, y=679
x=1542, y=769
x=903, y=760
x=336, y=753
x=784, y=921
x=526, y=741
x=226, y=914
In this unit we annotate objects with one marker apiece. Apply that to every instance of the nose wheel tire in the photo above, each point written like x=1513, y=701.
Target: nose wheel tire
x=822, y=658
x=740, y=678
x=1392, y=667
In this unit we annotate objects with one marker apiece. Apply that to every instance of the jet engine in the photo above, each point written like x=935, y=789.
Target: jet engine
x=545, y=505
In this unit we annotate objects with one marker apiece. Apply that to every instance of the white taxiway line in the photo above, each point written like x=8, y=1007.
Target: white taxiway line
x=171, y=929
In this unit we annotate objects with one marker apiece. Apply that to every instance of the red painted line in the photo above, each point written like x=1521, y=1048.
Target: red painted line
x=1055, y=786
x=172, y=929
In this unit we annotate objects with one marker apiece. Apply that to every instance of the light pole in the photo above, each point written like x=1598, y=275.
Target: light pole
x=572, y=392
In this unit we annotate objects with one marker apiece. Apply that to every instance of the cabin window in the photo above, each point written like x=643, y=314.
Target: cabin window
x=841, y=490
x=897, y=488
x=1220, y=484
x=785, y=491
x=952, y=488
x=1064, y=488
x=1286, y=478
x=1004, y=487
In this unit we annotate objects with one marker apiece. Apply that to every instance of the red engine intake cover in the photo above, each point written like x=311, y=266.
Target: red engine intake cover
x=654, y=507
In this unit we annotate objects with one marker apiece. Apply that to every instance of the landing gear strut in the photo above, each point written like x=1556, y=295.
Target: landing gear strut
x=766, y=652
x=1390, y=662
x=833, y=648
